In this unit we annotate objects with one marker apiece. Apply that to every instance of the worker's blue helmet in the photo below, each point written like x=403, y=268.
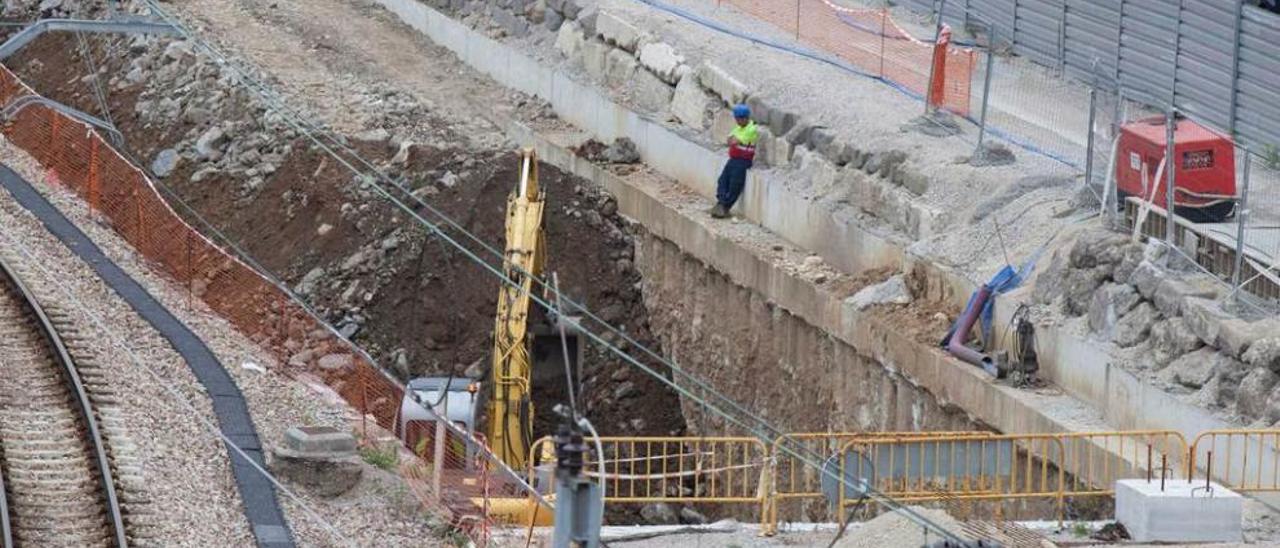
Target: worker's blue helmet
x=741, y=111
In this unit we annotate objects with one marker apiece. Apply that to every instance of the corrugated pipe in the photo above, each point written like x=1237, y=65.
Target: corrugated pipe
x=956, y=344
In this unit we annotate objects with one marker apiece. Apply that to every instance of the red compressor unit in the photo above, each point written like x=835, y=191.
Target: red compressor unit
x=1205, y=181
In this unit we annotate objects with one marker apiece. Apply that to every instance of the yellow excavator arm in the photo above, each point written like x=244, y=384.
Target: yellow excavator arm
x=510, y=409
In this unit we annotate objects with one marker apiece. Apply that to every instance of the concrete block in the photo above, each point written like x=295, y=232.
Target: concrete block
x=721, y=83
x=759, y=110
x=662, y=60
x=570, y=40
x=594, y=53
x=1237, y=336
x=1183, y=512
x=650, y=92
x=319, y=439
x=1171, y=294
x=691, y=104
x=619, y=67
x=616, y=31
x=1203, y=316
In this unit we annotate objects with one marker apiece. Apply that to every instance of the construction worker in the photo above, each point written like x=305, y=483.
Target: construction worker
x=742, y=152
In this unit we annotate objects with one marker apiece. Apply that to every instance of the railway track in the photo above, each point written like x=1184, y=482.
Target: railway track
x=60, y=481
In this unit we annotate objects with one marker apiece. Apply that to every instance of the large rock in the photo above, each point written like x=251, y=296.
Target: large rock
x=1146, y=278
x=165, y=162
x=1098, y=247
x=1204, y=317
x=1237, y=336
x=1171, y=338
x=1264, y=352
x=570, y=39
x=1050, y=281
x=594, y=54
x=649, y=92
x=659, y=513
x=1170, y=294
x=691, y=104
x=891, y=291
x=1078, y=287
x=662, y=60
x=1132, y=258
x=616, y=31
x=1134, y=327
x=1228, y=373
x=1111, y=302
x=1192, y=370
x=210, y=144
x=1251, y=397
x=721, y=83
x=619, y=67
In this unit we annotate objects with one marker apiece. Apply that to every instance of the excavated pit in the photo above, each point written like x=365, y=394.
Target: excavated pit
x=416, y=303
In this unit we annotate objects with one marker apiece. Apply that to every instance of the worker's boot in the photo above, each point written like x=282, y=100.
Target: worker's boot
x=719, y=211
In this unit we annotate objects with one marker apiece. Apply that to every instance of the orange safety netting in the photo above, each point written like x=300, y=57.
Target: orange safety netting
x=872, y=41
x=76, y=157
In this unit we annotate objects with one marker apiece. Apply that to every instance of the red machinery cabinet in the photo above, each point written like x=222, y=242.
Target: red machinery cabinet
x=1205, y=185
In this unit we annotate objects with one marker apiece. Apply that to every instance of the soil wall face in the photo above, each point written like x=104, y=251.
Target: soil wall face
x=788, y=371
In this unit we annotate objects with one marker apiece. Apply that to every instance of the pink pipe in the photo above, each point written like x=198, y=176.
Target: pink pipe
x=956, y=345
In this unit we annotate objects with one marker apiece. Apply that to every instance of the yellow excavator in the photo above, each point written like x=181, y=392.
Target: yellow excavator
x=510, y=409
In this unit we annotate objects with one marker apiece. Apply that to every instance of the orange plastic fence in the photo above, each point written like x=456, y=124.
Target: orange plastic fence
x=77, y=158
x=872, y=41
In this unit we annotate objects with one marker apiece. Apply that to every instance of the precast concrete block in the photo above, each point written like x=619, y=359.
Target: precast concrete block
x=616, y=31
x=319, y=440
x=721, y=83
x=1177, y=511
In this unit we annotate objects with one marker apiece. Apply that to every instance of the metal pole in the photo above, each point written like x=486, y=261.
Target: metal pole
x=1235, y=67
x=1092, y=142
x=1170, y=169
x=986, y=87
x=1119, y=42
x=937, y=35
x=1242, y=217
x=1177, y=54
x=797, y=20
x=437, y=470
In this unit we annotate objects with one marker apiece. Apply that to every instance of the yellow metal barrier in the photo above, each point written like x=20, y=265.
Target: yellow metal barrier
x=794, y=479
x=1095, y=460
x=959, y=467
x=1241, y=460
x=674, y=469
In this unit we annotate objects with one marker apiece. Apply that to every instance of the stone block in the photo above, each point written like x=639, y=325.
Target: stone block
x=1134, y=327
x=619, y=67
x=1236, y=335
x=914, y=181
x=1192, y=370
x=1171, y=338
x=760, y=110
x=1204, y=317
x=1264, y=352
x=662, y=60
x=891, y=291
x=721, y=83
x=691, y=104
x=1251, y=397
x=1078, y=286
x=782, y=121
x=1171, y=293
x=1109, y=303
x=614, y=30
x=1146, y=278
x=1097, y=247
x=1181, y=512
x=650, y=92
x=570, y=39
x=319, y=439
x=594, y=53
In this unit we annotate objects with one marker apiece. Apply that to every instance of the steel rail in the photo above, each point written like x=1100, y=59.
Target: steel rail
x=93, y=435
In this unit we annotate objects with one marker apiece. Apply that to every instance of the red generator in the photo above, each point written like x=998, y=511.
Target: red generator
x=1205, y=183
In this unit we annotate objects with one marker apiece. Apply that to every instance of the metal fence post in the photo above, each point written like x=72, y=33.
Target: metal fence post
x=1092, y=142
x=986, y=88
x=1170, y=168
x=1119, y=42
x=797, y=20
x=1177, y=55
x=1242, y=217
x=1235, y=67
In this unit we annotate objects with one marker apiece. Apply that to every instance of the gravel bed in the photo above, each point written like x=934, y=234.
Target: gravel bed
x=186, y=457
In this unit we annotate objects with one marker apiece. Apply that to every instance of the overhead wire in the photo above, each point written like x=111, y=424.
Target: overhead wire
x=332, y=146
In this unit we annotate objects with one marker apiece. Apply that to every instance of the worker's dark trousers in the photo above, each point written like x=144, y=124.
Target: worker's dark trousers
x=732, y=181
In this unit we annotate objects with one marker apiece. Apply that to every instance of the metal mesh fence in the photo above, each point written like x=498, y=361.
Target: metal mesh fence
x=871, y=40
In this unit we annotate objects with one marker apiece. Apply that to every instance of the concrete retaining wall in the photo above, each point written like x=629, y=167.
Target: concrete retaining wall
x=1100, y=396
